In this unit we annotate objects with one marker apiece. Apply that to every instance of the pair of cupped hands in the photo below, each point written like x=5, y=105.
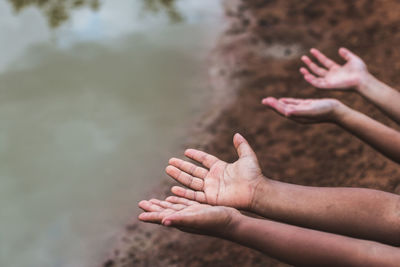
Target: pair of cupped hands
x=216, y=189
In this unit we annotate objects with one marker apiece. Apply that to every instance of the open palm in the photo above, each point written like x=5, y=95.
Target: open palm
x=333, y=75
x=218, y=182
x=188, y=216
x=304, y=110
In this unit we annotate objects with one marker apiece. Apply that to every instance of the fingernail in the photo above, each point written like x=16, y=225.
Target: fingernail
x=167, y=223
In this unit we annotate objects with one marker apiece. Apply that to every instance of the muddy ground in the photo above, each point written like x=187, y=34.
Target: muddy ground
x=257, y=56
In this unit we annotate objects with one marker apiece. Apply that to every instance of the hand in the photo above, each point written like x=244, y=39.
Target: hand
x=219, y=183
x=189, y=216
x=335, y=76
x=305, y=110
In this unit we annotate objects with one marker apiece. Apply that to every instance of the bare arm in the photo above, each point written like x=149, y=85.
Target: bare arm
x=339, y=210
x=362, y=213
x=291, y=244
x=383, y=96
x=379, y=136
x=305, y=247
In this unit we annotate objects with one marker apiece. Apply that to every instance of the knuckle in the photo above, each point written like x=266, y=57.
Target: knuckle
x=192, y=168
x=190, y=182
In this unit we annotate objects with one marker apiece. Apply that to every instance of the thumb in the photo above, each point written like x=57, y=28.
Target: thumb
x=242, y=146
x=177, y=220
x=346, y=54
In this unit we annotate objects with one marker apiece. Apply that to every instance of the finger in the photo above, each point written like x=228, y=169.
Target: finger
x=276, y=105
x=149, y=206
x=181, y=200
x=187, y=221
x=242, y=146
x=304, y=71
x=293, y=101
x=154, y=217
x=346, y=54
x=301, y=112
x=189, y=168
x=325, y=61
x=156, y=201
x=184, y=178
x=204, y=158
x=317, y=82
x=189, y=194
x=313, y=67
x=169, y=205
x=299, y=109
x=177, y=220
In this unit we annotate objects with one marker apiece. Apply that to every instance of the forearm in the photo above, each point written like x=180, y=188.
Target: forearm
x=382, y=95
x=381, y=137
x=361, y=213
x=305, y=247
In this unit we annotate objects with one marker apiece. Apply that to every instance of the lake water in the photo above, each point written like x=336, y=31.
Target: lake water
x=90, y=111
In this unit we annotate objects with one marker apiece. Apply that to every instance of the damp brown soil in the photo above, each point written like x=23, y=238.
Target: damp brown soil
x=257, y=56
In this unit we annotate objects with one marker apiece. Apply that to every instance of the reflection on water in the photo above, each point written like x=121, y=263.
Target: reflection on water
x=168, y=5
x=87, y=123
x=57, y=11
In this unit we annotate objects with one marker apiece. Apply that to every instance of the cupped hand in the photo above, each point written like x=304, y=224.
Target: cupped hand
x=332, y=75
x=218, y=182
x=189, y=216
x=305, y=110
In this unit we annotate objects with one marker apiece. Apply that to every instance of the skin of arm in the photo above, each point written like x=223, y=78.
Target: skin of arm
x=383, y=96
x=362, y=213
x=384, y=139
x=381, y=137
x=356, y=212
x=291, y=244
x=306, y=247
x=353, y=75
x=338, y=210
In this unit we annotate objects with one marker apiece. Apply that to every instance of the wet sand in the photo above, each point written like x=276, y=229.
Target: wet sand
x=258, y=56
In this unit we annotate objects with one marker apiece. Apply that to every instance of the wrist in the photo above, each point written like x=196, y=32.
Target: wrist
x=364, y=83
x=231, y=229
x=263, y=188
x=340, y=112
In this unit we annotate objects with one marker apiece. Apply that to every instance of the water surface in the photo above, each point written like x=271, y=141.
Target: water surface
x=90, y=111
